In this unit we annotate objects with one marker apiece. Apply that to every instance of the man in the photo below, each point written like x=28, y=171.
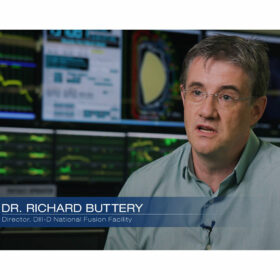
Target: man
x=223, y=86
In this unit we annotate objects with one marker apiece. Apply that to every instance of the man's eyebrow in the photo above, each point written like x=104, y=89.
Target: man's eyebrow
x=225, y=87
x=232, y=87
x=195, y=84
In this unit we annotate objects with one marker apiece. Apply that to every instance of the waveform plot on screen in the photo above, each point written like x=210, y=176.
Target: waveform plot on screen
x=153, y=91
x=18, y=74
x=144, y=148
x=26, y=155
x=85, y=156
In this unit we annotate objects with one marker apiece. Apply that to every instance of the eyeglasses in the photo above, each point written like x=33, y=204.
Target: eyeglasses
x=226, y=98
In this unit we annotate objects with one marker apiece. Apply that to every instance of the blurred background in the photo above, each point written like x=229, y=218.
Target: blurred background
x=80, y=110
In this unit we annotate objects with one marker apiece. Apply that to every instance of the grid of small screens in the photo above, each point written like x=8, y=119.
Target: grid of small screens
x=52, y=156
x=271, y=118
x=19, y=74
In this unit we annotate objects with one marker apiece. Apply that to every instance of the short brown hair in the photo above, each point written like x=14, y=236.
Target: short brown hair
x=250, y=55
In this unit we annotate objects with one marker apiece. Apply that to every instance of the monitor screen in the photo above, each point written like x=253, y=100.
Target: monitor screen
x=153, y=65
x=19, y=74
x=82, y=75
x=26, y=155
x=89, y=156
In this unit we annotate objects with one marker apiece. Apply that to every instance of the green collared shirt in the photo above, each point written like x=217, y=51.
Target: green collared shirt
x=247, y=203
x=238, y=173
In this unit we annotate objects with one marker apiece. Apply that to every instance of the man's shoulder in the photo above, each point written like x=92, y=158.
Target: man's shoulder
x=267, y=160
x=144, y=180
x=263, y=173
x=269, y=151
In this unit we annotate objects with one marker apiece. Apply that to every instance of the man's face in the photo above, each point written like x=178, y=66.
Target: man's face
x=215, y=131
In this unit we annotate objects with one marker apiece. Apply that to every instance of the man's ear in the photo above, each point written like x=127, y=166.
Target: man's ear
x=257, y=109
x=182, y=88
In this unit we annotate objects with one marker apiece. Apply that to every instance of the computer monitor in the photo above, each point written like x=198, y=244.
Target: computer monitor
x=82, y=76
x=89, y=156
x=152, y=70
x=19, y=74
x=26, y=155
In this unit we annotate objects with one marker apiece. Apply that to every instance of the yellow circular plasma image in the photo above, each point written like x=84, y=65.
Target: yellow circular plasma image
x=152, y=77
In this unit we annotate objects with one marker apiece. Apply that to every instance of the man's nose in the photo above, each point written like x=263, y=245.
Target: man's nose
x=209, y=106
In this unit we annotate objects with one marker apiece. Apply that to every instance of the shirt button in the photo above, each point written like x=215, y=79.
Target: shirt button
x=208, y=247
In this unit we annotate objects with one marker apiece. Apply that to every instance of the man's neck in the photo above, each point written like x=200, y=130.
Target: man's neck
x=213, y=171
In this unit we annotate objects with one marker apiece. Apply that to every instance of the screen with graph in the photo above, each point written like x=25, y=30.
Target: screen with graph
x=26, y=155
x=19, y=70
x=153, y=66
x=82, y=75
x=87, y=156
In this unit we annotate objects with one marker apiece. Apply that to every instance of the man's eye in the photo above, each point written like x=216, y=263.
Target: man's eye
x=196, y=92
x=226, y=97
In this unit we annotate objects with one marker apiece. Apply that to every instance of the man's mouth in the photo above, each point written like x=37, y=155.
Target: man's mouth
x=206, y=129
